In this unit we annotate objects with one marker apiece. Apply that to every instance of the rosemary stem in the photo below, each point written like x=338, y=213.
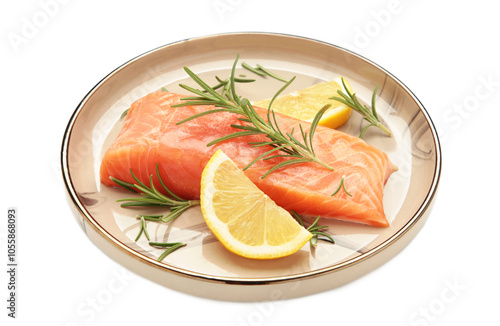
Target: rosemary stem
x=384, y=128
x=230, y=101
x=278, y=136
x=312, y=157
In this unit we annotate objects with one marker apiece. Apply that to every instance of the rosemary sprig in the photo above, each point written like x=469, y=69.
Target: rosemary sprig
x=171, y=247
x=368, y=114
x=286, y=144
x=151, y=197
x=261, y=71
x=315, y=230
x=124, y=114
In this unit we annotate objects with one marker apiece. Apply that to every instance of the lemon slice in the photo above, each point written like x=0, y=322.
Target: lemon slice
x=244, y=219
x=304, y=104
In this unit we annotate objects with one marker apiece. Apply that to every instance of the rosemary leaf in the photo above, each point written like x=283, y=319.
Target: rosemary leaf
x=281, y=90
x=139, y=202
x=374, y=112
x=200, y=82
x=341, y=185
x=264, y=143
x=170, y=250
x=278, y=156
x=123, y=184
x=283, y=164
x=368, y=114
x=304, y=145
x=262, y=156
x=261, y=71
x=143, y=229
x=164, y=186
x=163, y=244
x=314, y=125
x=124, y=114
x=328, y=238
x=250, y=68
x=154, y=218
x=244, y=127
x=242, y=80
x=234, y=97
x=271, y=74
x=175, y=212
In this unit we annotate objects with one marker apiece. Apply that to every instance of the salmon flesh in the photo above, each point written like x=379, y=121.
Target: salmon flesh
x=150, y=135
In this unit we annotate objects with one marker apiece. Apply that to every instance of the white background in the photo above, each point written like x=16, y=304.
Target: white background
x=445, y=52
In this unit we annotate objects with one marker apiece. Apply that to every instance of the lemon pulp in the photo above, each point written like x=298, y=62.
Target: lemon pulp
x=304, y=104
x=244, y=219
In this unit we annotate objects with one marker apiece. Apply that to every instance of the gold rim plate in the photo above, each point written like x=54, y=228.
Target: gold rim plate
x=204, y=267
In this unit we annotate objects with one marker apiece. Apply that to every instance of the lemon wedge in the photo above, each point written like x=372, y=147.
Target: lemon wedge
x=304, y=104
x=244, y=219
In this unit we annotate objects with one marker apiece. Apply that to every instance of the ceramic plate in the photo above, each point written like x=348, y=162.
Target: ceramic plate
x=204, y=267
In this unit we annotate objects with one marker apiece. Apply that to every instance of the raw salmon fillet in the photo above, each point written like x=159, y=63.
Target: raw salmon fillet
x=150, y=136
